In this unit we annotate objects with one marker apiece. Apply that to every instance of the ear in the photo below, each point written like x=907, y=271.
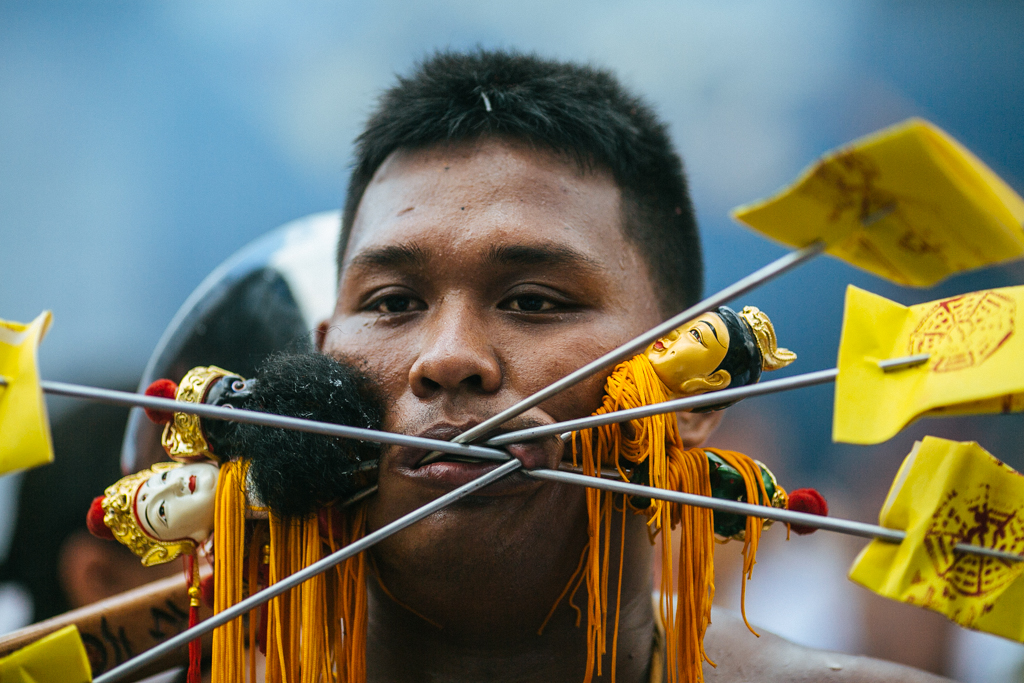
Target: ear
x=695, y=428
x=719, y=379
x=321, y=335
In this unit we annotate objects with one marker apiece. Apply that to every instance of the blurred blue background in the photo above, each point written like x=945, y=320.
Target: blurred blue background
x=142, y=143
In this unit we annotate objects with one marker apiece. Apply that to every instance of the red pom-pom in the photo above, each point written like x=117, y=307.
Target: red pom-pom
x=809, y=501
x=94, y=520
x=162, y=388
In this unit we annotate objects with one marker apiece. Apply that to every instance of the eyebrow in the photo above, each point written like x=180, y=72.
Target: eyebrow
x=539, y=255
x=713, y=331
x=391, y=256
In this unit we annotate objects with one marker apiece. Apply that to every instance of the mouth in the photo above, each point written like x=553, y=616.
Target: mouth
x=192, y=484
x=658, y=346
x=450, y=473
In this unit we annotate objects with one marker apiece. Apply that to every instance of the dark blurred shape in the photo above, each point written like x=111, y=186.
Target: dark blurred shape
x=256, y=303
x=53, y=501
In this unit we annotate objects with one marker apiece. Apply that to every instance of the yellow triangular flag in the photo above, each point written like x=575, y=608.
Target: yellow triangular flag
x=56, y=658
x=908, y=203
x=975, y=344
x=947, y=493
x=24, y=428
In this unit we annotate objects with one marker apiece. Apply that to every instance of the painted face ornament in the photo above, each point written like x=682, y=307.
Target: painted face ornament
x=224, y=467
x=161, y=514
x=715, y=351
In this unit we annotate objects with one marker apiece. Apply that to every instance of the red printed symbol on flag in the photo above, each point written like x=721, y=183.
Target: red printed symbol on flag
x=964, y=331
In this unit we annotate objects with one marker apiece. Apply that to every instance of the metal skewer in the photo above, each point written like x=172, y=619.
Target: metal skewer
x=631, y=348
x=483, y=452
x=844, y=526
x=746, y=509
x=714, y=398
x=703, y=401
x=289, y=582
x=126, y=398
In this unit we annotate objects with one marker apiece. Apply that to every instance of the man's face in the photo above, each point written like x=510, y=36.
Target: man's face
x=475, y=275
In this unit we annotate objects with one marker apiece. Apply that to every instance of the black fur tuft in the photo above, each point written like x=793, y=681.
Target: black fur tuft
x=296, y=473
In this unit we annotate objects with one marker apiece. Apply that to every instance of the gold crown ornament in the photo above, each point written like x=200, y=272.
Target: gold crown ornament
x=120, y=516
x=773, y=356
x=183, y=437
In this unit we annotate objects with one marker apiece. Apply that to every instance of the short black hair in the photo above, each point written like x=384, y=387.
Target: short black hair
x=578, y=111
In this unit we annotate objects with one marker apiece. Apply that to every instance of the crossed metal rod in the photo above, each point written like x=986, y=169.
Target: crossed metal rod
x=510, y=465
x=485, y=453
x=460, y=446
x=494, y=455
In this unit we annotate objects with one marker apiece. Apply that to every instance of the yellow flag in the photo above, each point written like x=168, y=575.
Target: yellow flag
x=908, y=203
x=57, y=658
x=24, y=428
x=947, y=493
x=975, y=344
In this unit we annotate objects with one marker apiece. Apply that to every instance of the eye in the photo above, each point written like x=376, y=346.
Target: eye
x=695, y=334
x=162, y=512
x=396, y=303
x=530, y=303
x=163, y=477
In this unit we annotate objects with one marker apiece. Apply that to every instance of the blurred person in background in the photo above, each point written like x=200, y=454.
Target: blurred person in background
x=53, y=556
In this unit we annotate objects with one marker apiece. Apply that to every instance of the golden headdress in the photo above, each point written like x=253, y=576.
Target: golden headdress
x=183, y=437
x=120, y=516
x=773, y=356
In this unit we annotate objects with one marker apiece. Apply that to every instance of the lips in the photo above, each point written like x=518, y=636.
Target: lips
x=658, y=346
x=192, y=484
x=448, y=474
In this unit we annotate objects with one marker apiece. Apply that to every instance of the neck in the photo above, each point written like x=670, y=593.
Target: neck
x=490, y=632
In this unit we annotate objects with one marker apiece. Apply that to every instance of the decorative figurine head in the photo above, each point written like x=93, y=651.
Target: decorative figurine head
x=159, y=513
x=717, y=350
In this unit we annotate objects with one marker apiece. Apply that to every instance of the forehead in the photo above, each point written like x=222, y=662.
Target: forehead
x=471, y=196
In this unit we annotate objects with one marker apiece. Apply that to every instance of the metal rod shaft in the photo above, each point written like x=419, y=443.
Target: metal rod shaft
x=844, y=526
x=631, y=348
x=491, y=454
x=289, y=582
x=704, y=400
x=125, y=398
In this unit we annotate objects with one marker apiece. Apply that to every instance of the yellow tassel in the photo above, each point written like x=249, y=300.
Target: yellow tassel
x=317, y=632
x=229, y=554
x=685, y=607
x=350, y=602
x=751, y=473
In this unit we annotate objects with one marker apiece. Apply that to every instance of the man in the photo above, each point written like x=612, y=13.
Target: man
x=508, y=220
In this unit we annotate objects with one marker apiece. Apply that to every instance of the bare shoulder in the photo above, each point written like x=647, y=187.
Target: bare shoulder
x=742, y=657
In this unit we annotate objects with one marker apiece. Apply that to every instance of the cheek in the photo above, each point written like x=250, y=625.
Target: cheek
x=540, y=366
x=385, y=356
x=192, y=514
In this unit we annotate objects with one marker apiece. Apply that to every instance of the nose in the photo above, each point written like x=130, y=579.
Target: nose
x=178, y=486
x=455, y=355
